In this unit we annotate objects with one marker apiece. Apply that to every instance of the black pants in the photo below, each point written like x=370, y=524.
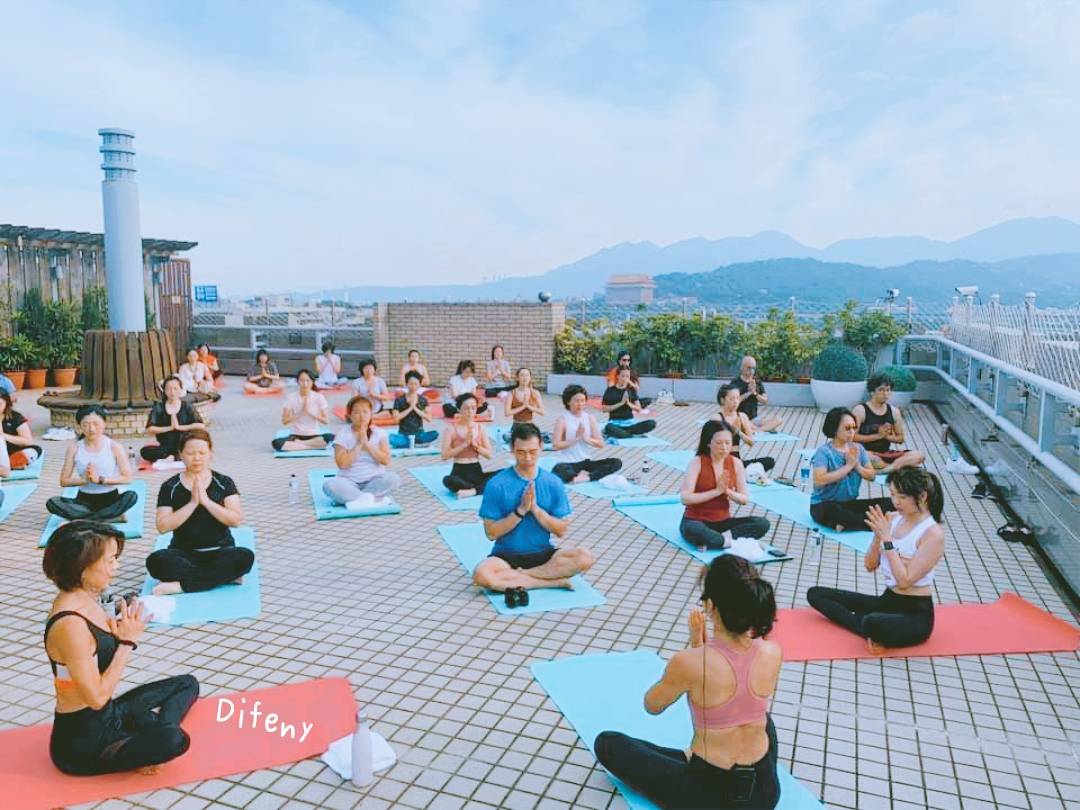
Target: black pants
x=847, y=514
x=664, y=775
x=710, y=533
x=467, y=476
x=126, y=733
x=279, y=443
x=626, y=431
x=891, y=620
x=493, y=391
x=200, y=570
x=596, y=468
x=768, y=462
x=105, y=506
x=450, y=409
x=157, y=452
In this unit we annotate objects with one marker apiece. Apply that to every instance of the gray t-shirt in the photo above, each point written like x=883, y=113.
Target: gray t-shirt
x=364, y=467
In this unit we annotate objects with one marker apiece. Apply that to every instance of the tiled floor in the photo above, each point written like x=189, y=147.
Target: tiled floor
x=383, y=603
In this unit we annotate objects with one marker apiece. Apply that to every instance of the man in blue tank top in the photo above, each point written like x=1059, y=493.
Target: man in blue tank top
x=523, y=506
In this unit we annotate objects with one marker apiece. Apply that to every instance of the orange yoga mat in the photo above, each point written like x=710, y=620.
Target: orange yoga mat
x=381, y=419
x=265, y=392
x=30, y=780
x=1008, y=626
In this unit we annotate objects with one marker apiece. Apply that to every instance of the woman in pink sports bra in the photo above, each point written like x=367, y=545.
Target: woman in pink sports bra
x=466, y=442
x=728, y=679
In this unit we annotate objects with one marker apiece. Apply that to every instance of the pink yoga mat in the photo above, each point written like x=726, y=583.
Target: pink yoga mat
x=31, y=781
x=1008, y=626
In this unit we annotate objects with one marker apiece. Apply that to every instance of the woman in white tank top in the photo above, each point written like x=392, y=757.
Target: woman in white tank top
x=575, y=434
x=96, y=465
x=908, y=544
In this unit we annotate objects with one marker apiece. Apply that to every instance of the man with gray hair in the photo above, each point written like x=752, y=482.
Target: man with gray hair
x=752, y=394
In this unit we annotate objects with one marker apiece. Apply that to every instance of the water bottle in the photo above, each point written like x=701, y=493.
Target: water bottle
x=804, y=473
x=131, y=457
x=646, y=468
x=815, y=548
x=412, y=441
x=294, y=489
x=362, y=771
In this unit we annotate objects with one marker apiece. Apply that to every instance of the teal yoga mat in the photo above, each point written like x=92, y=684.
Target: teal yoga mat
x=648, y=440
x=131, y=529
x=794, y=504
x=14, y=495
x=431, y=477
x=662, y=514
x=500, y=436
x=593, y=489
x=220, y=604
x=606, y=693
x=679, y=459
x=29, y=472
x=430, y=449
x=471, y=546
x=760, y=436
x=325, y=452
x=326, y=509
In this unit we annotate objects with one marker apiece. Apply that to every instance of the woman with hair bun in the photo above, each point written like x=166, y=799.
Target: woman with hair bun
x=907, y=546
x=728, y=678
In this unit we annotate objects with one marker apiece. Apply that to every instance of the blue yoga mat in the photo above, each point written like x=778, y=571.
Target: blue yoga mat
x=760, y=436
x=14, y=494
x=648, y=440
x=662, y=514
x=431, y=477
x=594, y=489
x=221, y=604
x=131, y=529
x=471, y=546
x=679, y=459
x=326, y=509
x=794, y=504
x=324, y=452
x=606, y=693
x=500, y=436
x=29, y=472
x=430, y=449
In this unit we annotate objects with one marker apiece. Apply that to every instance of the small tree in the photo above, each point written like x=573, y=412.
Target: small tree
x=64, y=349
x=95, y=308
x=781, y=344
x=868, y=332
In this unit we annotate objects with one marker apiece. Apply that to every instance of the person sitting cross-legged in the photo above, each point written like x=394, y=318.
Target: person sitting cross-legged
x=328, y=364
x=466, y=443
x=17, y=437
x=97, y=466
x=839, y=468
x=306, y=414
x=410, y=413
x=620, y=403
x=263, y=375
x=362, y=456
x=880, y=426
x=752, y=394
x=523, y=506
x=575, y=434
x=169, y=419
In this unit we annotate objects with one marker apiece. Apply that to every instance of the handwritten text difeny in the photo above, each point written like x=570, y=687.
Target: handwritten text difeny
x=270, y=722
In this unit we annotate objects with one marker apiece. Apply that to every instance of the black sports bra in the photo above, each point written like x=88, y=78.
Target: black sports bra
x=106, y=642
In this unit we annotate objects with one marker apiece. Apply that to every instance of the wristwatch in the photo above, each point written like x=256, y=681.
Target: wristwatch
x=520, y=516
x=888, y=545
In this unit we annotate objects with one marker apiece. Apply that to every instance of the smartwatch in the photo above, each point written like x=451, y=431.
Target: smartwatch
x=888, y=545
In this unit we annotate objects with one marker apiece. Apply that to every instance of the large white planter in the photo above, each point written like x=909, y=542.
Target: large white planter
x=829, y=394
x=902, y=399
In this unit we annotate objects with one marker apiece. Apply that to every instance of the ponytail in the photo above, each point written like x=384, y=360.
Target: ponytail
x=916, y=482
x=743, y=600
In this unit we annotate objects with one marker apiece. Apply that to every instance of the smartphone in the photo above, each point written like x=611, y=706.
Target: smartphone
x=775, y=552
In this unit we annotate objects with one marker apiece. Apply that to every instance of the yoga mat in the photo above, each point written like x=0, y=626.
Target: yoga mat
x=325, y=452
x=1009, y=626
x=266, y=392
x=594, y=489
x=326, y=509
x=32, y=782
x=220, y=604
x=431, y=477
x=430, y=449
x=679, y=459
x=794, y=504
x=30, y=471
x=500, y=436
x=14, y=495
x=471, y=546
x=381, y=419
x=606, y=693
x=648, y=440
x=662, y=514
x=132, y=529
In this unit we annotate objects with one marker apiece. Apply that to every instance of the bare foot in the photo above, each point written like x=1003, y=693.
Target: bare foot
x=149, y=770
x=466, y=493
x=875, y=648
x=839, y=528
x=238, y=581
x=167, y=588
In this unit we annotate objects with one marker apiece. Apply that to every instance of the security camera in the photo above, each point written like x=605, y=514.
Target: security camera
x=544, y=297
x=969, y=291
x=892, y=293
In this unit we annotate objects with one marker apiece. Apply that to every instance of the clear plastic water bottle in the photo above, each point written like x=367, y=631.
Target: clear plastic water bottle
x=362, y=771
x=646, y=469
x=294, y=489
x=131, y=456
x=804, y=473
x=815, y=545
x=412, y=441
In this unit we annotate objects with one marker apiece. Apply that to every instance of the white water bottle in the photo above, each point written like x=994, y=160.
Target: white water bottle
x=646, y=469
x=294, y=489
x=815, y=549
x=131, y=456
x=362, y=771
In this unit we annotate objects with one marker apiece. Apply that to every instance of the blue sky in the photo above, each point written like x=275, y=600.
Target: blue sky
x=311, y=144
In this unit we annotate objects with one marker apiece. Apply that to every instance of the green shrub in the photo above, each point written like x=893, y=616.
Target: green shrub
x=901, y=378
x=65, y=345
x=840, y=363
x=95, y=308
x=32, y=322
x=16, y=353
x=781, y=344
x=868, y=332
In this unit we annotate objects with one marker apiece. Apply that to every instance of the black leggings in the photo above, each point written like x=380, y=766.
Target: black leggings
x=665, y=776
x=596, y=468
x=626, y=431
x=157, y=452
x=848, y=514
x=467, y=476
x=710, y=533
x=279, y=443
x=768, y=462
x=92, y=506
x=200, y=570
x=450, y=409
x=891, y=620
x=125, y=733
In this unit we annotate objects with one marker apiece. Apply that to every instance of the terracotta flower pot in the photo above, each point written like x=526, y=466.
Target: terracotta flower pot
x=63, y=377
x=18, y=378
x=35, y=377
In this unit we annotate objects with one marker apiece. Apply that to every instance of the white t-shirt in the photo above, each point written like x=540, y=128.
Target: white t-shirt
x=372, y=392
x=458, y=386
x=499, y=370
x=364, y=468
x=190, y=377
x=304, y=424
x=5, y=459
x=327, y=375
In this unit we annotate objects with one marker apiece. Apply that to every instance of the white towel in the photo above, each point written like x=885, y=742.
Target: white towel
x=748, y=548
x=339, y=755
x=160, y=608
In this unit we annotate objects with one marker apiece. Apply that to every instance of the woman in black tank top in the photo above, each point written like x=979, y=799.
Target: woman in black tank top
x=93, y=731
x=878, y=432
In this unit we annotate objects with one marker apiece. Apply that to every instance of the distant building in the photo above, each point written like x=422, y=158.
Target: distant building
x=636, y=288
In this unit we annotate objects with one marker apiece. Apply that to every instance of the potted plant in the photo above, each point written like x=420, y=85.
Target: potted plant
x=16, y=353
x=32, y=323
x=37, y=366
x=903, y=384
x=839, y=377
x=66, y=340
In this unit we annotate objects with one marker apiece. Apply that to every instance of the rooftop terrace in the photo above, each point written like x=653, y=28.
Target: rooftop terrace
x=382, y=602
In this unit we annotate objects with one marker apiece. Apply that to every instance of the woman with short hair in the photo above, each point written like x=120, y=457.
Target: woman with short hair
x=839, y=468
x=371, y=386
x=328, y=364
x=415, y=363
x=498, y=378
x=168, y=420
x=97, y=466
x=575, y=436
x=463, y=382
x=263, y=377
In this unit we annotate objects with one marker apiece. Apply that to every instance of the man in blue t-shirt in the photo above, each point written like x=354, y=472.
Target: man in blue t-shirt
x=523, y=506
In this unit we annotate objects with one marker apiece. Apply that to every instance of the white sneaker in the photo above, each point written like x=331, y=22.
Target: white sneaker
x=957, y=466
x=364, y=500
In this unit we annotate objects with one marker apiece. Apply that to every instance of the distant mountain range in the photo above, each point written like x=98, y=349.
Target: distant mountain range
x=1038, y=242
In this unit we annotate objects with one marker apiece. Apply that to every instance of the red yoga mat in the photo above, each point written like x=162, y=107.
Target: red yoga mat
x=381, y=419
x=218, y=749
x=1008, y=626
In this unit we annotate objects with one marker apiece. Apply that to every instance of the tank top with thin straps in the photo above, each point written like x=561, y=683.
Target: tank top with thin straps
x=578, y=451
x=104, y=465
x=744, y=707
x=906, y=547
x=525, y=414
x=457, y=439
x=105, y=642
x=718, y=508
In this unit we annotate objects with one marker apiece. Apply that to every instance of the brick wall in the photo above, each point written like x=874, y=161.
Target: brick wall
x=127, y=423
x=448, y=333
